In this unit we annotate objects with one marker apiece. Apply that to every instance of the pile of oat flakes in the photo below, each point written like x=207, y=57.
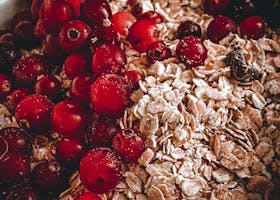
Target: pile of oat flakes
x=208, y=136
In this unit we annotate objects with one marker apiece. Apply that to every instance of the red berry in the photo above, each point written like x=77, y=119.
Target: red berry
x=16, y=96
x=73, y=36
x=9, y=53
x=106, y=34
x=80, y=88
x=5, y=86
x=48, y=85
x=121, y=22
x=158, y=51
x=74, y=65
x=133, y=76
x=191, y=51
x=220, y=27
x=129, y=143
x=188, y=28
x=100, y=170
x=108, y=59
x=23, y=192
x=88, y=196
x=76, y=5
x=252, y=27
x=40, y=30
x=142, y=33
x=8, y=37
x=69, y=153
x=94, y=41
x=33, y=112
x=110, y=94
x=23, y=15
x=52, y=48
x=153, y=16
x=35, y=7
x=96, y=11
x=14, y=167
x=28, y=68
x=216, y=7
x=67, y=118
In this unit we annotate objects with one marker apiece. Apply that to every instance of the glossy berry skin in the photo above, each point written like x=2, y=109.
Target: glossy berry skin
x=48, y=85
x=52, y=49
x=108, y=59
x=33, y=112
x=16, y=96
x=73, y=36
x=188, y=28
x=69, y=152
x=76, y=5
x=158, y=51
x=80, y=88
x=152, y=15
x=23, y=192
x=67, y=118
x=9, y=53
x=8, y=37
x=142, y=33
x=14, y=139
x=129, y=143
x=74, y=65
x=106, y=34
x=5, y=86
x=133, y=77
x=35, y=7
x=88, y=196
x=110, y=94
x=47, y=179
x=100, y=170
x=121, y=22
x=23, y=15
x=28, y=68
x=40, y=29
x=96, y=11
x=191, y=51
x=216, y=7
x=252, y=28
x=14, y=168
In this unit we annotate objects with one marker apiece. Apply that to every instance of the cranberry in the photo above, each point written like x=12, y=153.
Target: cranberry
x=80, y=88
x=40, y=30
x=129, y=143
x=108, y=58
x=47, y=178
x=52, y=49
x=23, y=192
x=216, y=7
x=33, y=112
x=240, y=9
x=252, y=27
x=67, y=118
x=49, y=86
x=136, y=7
x=5, y=86
x=8, y=37
x=69, y=153
x=9, y=53
x=188, y=28
x=14, y=167
x=23, y=15
x=110, y=94
x=122, y=21
x=133, y=77
x=96, y=11
x=153, y=16
x=76, y=4
x=220, y=27
x=158, y=51
x=35, y=7
x=100, y=170
x=191, y=51
x=14, y=139
x=74, y=65
x=106, y=34
x=142, y=33
x=55, y=13
x=28, y=68
x=15, y=97
x=94, y=41
x=73, y=36
x=88, y=196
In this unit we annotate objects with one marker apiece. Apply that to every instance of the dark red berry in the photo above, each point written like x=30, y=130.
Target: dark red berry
x=121, y=22
x=74, y=65
x=80, y=88
x=191, y=51
x=94, y=41
x=142, y=33
x=40, y=30
x=133, y=77
x=14, y=139
x=23, y=192
x=136, y=7
x=9, y=53
x=153, y=16
x=5, y=86
x=16, y=96
x=48, y=85
x=188, y=28
x=88, y=196
x=129, y=143
x=216, y=7
x=8, y=37
x=220, y=27
x=33, y=112
x=76, y=4
x=158, y=51
x=252, y=27
x=96, y=12
x=73, y=36
x=100, y=170
x=67, y=118
x=106, y=34
x=108, y=59
x=35, y=7
x=69, y=153
x=110, y=94
x=23, y=15
x=27, y=69
x=240, y=9
x=14, y=168
x=52, y=49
